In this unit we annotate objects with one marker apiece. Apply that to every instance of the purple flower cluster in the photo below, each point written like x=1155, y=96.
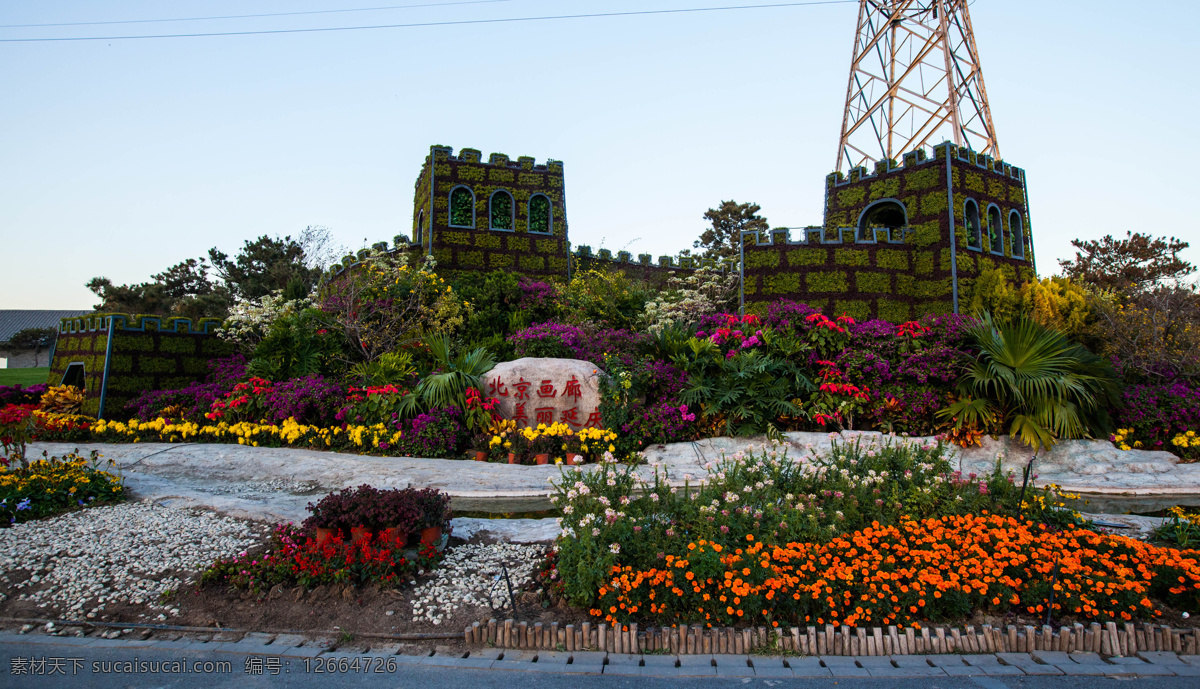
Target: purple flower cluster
x=310, y=400
x=786, y=315
x=227, y=371
x=558, y=340
x=665, y=422
x=15, y=394
x=663, y=381
x=1158, y=412
x=192, y=401
x=189, y=403
x=538, y=295
x=437, y=433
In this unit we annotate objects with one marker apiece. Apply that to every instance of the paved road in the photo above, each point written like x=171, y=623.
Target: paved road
x=104, y=664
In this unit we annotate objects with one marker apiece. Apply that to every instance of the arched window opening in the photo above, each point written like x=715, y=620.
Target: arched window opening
x=462, y=207
x=1016, y=231
x=995, y=231
x=420, y=227
x=501, y=210
x=883, y=214
x=971, y=212
x=540, y=219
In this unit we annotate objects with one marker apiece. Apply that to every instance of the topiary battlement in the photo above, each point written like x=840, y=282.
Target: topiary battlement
x=920, y=157
x=621, y=258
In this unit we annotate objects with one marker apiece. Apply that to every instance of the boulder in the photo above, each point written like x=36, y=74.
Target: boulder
x=540, y=390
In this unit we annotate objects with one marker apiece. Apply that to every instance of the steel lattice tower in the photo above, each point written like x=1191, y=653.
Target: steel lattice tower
x=915, y=80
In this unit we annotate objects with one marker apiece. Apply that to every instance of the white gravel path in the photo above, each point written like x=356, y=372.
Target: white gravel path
x=134, y=552
x=468, y=573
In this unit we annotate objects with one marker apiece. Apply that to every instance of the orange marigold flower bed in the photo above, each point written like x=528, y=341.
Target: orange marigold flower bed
x=938, y=568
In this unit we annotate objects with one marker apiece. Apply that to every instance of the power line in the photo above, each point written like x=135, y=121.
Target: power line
x=254, y=16
x=462, y=22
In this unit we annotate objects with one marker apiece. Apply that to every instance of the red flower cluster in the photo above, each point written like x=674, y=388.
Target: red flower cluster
x=241, y=394
x=732, y=321
x=911, y=329
x=832, y=383
x=16, y=413
x=818, y=320
x=476, y=400
x=358, y=394
x=298, y=559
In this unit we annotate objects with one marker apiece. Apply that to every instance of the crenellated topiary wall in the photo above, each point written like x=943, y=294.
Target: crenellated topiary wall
x=893, y=272
x=125, y=355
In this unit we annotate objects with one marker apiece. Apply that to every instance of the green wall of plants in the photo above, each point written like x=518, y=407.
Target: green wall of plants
x=903, y=275
x=479, y=247
x=147, y=353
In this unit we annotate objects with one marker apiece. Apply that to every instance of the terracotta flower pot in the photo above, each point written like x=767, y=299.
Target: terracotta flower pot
x=542, y=458
x=573, y=459
x=322, y=534
x=431, y=536
x=393, y=535
x=358, y=533
x=512, y=458
x=480, y=456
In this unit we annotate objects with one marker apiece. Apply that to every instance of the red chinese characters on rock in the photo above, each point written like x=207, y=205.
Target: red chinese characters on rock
x=496, y=388
x=522, y=387
x=523, y=392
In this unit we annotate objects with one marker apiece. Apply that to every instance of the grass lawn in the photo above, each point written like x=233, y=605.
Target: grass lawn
x=24, y=376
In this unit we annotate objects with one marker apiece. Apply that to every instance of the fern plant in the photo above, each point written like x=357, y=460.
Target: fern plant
x=743, y=391
x=390, y=368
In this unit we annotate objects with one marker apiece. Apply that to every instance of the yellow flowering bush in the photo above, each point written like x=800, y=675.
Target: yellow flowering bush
x=289, y=433
x=55, y=484
x=1186, y=440
x=1123, y=439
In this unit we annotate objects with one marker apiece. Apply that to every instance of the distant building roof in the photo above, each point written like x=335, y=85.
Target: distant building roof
x=13, y=321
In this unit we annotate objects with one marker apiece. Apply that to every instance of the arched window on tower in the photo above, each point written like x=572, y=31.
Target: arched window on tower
x=1016, y=232
x=420, y=227
x=995, y=231
x=540, y=218
x=971, y=213
x=462, y=207
x=881, y=214
x=500, y=210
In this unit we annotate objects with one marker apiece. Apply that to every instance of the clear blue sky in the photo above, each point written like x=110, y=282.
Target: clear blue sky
x=122, y=158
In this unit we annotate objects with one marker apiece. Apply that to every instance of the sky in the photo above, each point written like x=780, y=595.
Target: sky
x=119, y=158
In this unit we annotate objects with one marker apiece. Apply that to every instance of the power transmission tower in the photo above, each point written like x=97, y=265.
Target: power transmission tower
x=915, y=76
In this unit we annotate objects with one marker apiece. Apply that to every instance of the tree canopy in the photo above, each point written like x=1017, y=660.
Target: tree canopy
x=261, y=267
x=1137, y=262
x=728, y=220
x=33, y=338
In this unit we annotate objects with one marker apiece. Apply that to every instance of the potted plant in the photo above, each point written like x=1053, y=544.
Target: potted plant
x=359, y=512
x=401, y=513
x=435, y=515
x=520, y=444
x=330, y=515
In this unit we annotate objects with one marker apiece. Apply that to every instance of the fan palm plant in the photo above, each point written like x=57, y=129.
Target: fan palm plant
x=1032, y=380
x=447, y=386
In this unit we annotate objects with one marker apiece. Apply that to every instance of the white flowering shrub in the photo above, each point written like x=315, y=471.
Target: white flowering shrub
x=250, y=319
x=688, y=298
